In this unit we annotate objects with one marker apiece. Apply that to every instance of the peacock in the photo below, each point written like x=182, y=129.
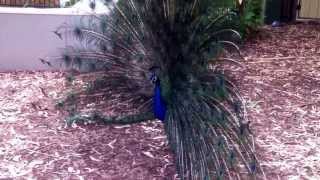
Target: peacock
x=163, y=58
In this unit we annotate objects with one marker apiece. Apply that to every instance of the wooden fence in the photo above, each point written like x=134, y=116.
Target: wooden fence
x=310, y=9
x=31, y=3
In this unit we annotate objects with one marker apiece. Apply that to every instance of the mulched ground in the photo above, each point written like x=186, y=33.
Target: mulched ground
x=281, y=85
x=36, y=144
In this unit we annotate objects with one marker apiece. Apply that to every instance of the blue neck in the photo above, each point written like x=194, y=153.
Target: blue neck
x=159, y=107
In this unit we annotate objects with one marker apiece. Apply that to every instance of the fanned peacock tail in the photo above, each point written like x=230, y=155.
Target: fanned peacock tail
x=160, y=55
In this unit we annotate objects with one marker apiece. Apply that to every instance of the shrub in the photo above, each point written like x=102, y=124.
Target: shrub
x=251, y=16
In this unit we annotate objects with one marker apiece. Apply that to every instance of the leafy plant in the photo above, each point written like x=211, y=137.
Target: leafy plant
x=251, y=15
x=158, y=56
x=70, y=3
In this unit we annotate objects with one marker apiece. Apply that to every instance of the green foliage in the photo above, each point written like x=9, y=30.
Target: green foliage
x=205, y=121
x=251, y=16
x=70, y=3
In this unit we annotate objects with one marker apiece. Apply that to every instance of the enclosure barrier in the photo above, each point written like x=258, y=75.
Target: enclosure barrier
x=26, y=35
x=31, y=3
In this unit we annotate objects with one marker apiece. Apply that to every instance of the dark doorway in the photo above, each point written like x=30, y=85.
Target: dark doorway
x=288, y=10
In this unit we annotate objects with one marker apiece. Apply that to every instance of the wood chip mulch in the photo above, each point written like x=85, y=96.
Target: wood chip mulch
x=36, y=144
x=281, y=85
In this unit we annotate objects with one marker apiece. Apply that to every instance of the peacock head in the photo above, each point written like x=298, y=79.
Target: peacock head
x=154, y=74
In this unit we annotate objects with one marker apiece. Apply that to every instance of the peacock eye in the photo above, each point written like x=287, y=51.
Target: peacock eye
x=153, y=77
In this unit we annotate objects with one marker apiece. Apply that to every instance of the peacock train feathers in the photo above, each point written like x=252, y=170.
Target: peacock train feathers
x=160, y=56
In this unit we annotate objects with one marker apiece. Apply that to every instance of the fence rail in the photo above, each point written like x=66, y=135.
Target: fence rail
x=31, y=3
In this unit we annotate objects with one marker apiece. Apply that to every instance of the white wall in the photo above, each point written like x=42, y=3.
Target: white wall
x=27, y=36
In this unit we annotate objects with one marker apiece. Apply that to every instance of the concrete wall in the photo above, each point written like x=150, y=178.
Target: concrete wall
x=26, y=37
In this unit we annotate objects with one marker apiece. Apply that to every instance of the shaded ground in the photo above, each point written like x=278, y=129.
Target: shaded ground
x=281, y=86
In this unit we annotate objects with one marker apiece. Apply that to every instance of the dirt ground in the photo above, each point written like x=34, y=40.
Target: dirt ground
x=281, y=85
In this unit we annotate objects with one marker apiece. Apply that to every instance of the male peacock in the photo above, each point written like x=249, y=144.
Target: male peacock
x=160, y=55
